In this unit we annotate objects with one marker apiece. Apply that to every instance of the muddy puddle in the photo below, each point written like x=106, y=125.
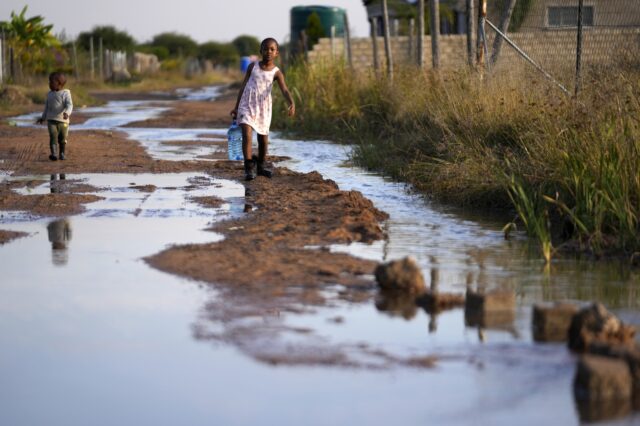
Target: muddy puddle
x=92, y=335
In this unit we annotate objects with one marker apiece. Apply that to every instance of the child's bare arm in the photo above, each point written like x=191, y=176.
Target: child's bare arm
x=234, y=112
x=285, y=92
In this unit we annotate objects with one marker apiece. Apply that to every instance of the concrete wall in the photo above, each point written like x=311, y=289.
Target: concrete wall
x=551, y=49
x=607, y=13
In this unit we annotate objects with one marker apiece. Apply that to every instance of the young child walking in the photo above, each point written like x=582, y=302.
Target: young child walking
x=253, y=107
x=57, y=109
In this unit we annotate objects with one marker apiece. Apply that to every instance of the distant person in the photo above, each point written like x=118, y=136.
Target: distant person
x=253, y=107
x=57, y=109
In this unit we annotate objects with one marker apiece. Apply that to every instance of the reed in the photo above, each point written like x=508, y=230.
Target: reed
x=508, y=142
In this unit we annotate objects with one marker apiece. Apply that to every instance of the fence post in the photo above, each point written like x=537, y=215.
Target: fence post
x=1, y=60
x=504, y=26
x=12, y=65
x=333, y=42
x=434, y=6
x=579, y=48
x=347, y=39
x=374, y=43
x=411, y=36
x=470, y=31
x=387, y=39
x=76, y=71
x=93, y=75
x=100, y=60
x=482, y=40
x=421, y=34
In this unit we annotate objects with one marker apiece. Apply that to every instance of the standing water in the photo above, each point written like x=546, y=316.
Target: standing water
x=92, y=335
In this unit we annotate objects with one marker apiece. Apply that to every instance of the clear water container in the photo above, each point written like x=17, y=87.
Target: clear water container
x=234, y=140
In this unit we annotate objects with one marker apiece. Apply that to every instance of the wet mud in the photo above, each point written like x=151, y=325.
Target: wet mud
x=273, y=258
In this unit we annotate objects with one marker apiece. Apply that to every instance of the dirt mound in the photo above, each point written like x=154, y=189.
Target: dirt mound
x=13, y=95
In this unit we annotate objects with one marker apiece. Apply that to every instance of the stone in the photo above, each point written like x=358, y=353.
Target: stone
x=402, y=275
x=600, y=378
x=551, y=323
x=594, y=324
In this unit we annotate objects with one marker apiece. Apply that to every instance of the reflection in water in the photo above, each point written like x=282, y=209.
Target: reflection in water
x=59, y=235
x=56, y=183
x=397, y=303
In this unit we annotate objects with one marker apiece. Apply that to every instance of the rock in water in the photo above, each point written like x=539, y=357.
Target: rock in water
x=403, y=274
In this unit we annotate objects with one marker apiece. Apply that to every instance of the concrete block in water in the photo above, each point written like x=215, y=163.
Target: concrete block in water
x=602, y=388
x=631, y=355
x=551, y=322
x=492, y=309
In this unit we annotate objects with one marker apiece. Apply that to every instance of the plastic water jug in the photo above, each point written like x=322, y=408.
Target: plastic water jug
x=234, y=140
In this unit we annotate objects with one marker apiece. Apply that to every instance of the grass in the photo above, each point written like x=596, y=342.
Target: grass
x=570, y=169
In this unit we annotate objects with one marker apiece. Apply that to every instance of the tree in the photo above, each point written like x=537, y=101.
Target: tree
x=111, y=38
x=314, y=29
x=176, y=44
x=246, y=45
x=225, y=54
x=32, y=41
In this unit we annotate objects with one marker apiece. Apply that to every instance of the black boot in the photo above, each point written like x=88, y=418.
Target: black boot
x=261, y=169
x=249, y=169
x=62, y=146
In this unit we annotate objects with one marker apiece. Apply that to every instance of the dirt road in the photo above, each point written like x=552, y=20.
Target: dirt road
x=265, y=254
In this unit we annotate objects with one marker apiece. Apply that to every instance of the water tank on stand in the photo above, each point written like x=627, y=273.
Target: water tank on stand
x=329, y=17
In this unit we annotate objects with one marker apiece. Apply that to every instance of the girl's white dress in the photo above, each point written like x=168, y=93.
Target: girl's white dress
x=254, y=108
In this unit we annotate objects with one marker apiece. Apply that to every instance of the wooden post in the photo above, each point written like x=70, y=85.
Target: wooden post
x=100, y=60
x=76, y=71
x=579, y=49
x=387, y=39
x=421, y=33
x=333, y=42
x=347, y=39
x=411, y=37
x=482, y=42
x=504, y=25
x=2, y=60
x=93, y=71
x=374, y=42
x=434, y=6
x=470, y=32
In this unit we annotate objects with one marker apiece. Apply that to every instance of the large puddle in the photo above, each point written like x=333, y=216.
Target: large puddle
x=91, y=335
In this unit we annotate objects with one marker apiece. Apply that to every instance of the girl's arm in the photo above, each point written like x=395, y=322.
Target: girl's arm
x=234, y=112
x=285, y=92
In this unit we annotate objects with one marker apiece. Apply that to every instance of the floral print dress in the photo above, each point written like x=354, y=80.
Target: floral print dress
x=255, y=104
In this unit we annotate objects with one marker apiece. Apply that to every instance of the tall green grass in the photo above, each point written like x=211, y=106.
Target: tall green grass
x=570, y=169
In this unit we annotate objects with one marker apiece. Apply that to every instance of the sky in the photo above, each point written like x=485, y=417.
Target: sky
x=202, y=20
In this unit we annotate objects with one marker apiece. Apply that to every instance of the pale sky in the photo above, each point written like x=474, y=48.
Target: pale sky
x=203, y=20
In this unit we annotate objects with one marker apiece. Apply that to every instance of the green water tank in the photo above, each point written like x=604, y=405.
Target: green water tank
x=329, y=16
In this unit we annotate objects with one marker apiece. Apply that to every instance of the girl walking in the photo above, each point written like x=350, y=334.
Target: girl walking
x=253, y=107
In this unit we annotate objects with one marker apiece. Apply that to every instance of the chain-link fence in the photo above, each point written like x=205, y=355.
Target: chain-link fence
x=540, y=34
